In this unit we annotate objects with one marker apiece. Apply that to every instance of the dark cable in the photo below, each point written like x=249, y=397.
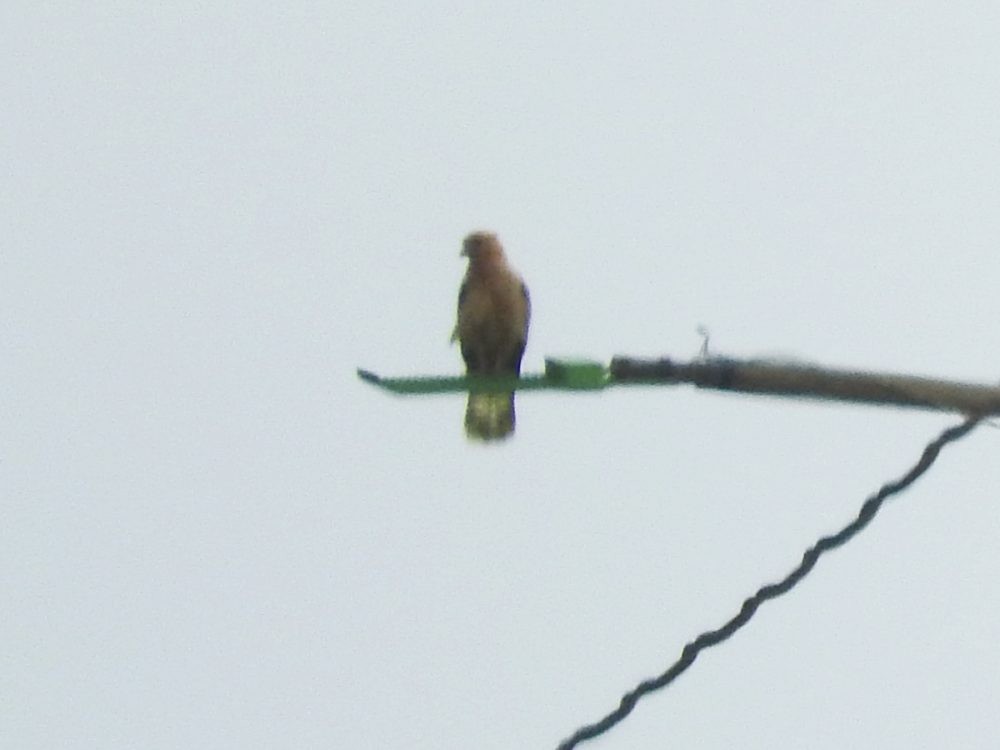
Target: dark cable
x=691, y=650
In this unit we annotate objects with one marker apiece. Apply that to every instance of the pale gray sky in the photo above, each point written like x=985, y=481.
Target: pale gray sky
x=213, y=535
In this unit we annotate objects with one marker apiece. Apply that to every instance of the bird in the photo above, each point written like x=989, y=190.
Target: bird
x=494, y=311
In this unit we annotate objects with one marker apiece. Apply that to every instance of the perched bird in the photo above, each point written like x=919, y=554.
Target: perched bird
x=492, y=329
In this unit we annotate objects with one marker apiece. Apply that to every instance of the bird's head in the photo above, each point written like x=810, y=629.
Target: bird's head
x=482, y=247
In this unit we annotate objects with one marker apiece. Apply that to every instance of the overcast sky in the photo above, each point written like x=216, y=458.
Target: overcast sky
x=213, y=535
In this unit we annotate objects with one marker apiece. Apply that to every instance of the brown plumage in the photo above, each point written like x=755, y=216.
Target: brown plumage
x=492, y=328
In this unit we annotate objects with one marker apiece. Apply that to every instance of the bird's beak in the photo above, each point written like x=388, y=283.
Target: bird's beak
x=464, y=253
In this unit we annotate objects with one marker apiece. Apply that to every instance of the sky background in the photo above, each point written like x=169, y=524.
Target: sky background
x=213, y=535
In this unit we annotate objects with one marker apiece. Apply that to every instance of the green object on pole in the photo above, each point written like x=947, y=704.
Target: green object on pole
x=560, y=374
x=577, y=374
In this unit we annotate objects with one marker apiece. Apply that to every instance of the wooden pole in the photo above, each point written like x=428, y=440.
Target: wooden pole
x=785, y=379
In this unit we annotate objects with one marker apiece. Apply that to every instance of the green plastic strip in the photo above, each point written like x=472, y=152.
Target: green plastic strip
x=560, y=374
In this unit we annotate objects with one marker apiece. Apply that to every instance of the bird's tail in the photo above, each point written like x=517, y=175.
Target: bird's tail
x=489, y=416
